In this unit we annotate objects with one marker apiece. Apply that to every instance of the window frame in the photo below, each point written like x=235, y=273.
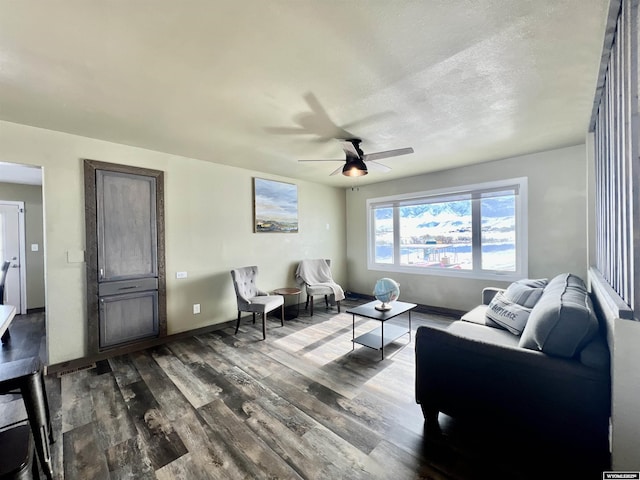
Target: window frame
x=447, y=194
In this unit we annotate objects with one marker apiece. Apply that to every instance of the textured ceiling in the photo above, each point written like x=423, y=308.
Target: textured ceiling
x=260, y=84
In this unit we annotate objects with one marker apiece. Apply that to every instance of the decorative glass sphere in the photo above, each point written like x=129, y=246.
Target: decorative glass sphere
x=386, y=291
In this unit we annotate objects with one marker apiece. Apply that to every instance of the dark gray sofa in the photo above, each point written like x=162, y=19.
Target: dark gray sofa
x=552, y=381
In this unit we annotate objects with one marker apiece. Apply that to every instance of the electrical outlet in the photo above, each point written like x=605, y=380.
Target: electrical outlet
x=181, y=274
x=196, y=308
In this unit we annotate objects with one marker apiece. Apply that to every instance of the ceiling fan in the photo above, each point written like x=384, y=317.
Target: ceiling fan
x=357, y=161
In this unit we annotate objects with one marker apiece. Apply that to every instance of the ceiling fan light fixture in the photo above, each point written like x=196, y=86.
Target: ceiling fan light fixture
x=354, y=168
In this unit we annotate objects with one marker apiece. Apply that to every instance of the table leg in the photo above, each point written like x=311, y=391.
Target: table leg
x=297, y=304
x=35, y=402
x=353, y=333
x=382, y=341
x=46, y=407
x=409, y=326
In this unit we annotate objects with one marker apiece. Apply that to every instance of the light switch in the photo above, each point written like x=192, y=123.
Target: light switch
x=34, y=247
x=181, y=274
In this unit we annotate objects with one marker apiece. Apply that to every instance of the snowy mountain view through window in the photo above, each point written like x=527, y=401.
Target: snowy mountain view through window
x=469, y=231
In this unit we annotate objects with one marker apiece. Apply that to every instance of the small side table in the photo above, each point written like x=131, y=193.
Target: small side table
x=291, y=311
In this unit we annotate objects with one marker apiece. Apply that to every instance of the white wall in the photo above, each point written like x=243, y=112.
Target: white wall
x=625, y=438
x=208, y=231
x=557, y=224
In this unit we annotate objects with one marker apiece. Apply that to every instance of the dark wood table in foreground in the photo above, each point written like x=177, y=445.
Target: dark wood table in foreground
x=379, y=337
x=26, y=377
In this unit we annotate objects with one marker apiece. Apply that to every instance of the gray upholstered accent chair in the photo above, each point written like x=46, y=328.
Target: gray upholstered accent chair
x=251, y=299
x=317, y=279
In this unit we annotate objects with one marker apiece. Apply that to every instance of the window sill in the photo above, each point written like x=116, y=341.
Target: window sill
x=450, y=272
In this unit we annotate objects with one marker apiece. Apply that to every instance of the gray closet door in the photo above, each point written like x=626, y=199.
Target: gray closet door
x=128, y=317
x=127, y=248
x=127, y=237
x=126, y=290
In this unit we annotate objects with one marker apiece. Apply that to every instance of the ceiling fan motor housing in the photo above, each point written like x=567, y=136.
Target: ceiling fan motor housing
x=355, y=163
x=356, y=144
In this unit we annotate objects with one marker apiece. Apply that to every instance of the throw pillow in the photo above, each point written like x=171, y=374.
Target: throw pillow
x=506, y=314
x=534, y=282
x=523, y=294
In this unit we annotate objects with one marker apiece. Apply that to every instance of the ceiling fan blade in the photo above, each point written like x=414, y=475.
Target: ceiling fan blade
x=369, y=119
x=387, y=154
x=378, y=166
x=337, y=170
x=349, y=149
x=324, y=160
x=286, y=130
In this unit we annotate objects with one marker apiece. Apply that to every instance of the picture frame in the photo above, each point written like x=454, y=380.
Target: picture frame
x=275, y=206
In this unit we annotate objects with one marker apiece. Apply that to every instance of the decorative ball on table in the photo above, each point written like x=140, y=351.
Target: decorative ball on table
x=386, y=291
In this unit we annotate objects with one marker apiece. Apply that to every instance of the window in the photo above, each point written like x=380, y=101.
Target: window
x=477, y=231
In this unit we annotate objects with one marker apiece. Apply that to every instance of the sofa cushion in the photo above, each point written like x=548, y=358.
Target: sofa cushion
x=492, y=339
x=533, y=282
x=563, y=321
x=477, y=315
x=596, y=353
x=502, y=312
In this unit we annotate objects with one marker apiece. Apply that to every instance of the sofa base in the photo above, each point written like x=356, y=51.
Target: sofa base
x=474, y=372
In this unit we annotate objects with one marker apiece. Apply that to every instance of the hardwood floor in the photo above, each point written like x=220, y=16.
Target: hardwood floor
x=300, y=404
x=27, y=338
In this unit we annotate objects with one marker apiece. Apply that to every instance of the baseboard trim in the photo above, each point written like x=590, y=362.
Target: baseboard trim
x=84, y=362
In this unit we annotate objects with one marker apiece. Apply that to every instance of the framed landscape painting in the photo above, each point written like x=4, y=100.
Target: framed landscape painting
x=275, y=206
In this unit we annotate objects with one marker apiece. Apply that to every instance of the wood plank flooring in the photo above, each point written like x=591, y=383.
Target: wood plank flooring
x=298, y=405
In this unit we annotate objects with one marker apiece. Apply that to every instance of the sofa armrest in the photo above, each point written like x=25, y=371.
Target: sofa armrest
x=488, y=293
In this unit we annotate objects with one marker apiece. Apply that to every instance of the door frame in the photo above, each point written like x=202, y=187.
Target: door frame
x=91, y=256
x=22, y=240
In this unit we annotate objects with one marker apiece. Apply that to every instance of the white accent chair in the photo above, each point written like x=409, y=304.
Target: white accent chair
x=251, y=299
x=316, y=276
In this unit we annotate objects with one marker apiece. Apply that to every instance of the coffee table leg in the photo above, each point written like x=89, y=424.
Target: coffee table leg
x=382, y=341
x=353, y=334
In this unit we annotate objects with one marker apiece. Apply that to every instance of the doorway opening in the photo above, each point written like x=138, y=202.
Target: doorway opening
x=12, y=249
x=22, y=238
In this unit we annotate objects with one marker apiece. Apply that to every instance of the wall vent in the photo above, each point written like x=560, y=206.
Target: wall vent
x=75, y=370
